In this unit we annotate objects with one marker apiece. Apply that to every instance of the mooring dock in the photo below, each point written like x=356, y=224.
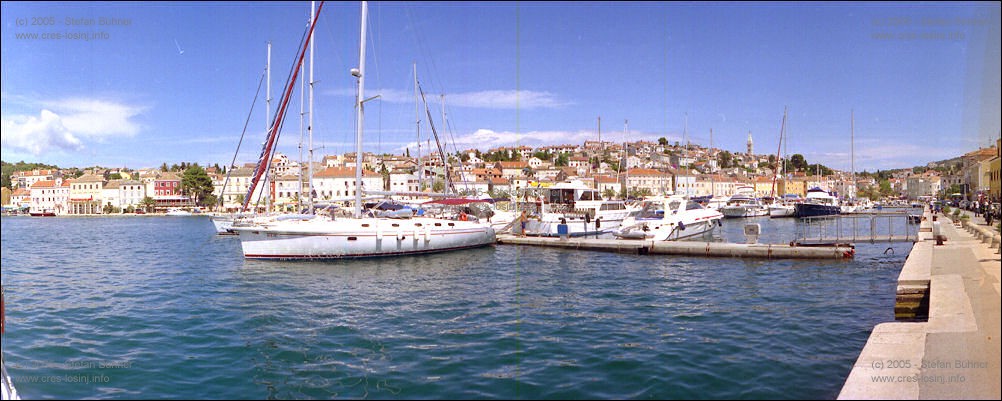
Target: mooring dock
x=688, y=248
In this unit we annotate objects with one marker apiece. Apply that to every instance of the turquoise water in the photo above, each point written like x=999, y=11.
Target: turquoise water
x=160, y=307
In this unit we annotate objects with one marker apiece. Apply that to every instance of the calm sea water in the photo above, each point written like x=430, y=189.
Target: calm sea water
x=160, y=307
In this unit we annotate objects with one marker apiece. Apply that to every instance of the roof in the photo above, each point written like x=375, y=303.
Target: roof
x=645, y=172
x=90, y=178
x=43, y=184
x=343, y=172
x=604, y=179
x=510, y=165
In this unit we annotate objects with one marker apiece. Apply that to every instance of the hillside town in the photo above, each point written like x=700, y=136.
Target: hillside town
x=617, y=171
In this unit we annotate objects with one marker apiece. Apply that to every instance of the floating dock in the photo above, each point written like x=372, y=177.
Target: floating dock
x=687, y=248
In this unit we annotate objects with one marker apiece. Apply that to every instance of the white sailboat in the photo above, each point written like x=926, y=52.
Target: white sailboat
x=329, y=237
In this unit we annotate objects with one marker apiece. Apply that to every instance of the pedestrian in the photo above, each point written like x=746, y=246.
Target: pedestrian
x=522, y=219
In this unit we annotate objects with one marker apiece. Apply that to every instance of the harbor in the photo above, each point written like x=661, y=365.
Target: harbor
x=496, y=322
x=381, y=200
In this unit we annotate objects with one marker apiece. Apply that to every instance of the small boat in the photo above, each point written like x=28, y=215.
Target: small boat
x=177, y=212
x=669, y=219
x=785, y=207
x=43, y=213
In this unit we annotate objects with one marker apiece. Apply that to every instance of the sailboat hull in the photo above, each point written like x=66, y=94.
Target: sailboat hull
x=360, y=238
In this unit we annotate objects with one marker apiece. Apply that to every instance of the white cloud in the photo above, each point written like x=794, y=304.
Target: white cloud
x=485, y=139
x=488, y=99
x=97, y=119
x=37, y=135
x=67, y=124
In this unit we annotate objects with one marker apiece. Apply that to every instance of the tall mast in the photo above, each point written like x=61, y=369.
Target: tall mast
x=779, y=147
x=445, y=157
x=360, y=74
x=624, y=168
x=852, y=150
x=417, y=126
x=302, y=133
x=309, y=127
x=268, y=179
x=600, y=144
x=685, y=131
x=710, y=152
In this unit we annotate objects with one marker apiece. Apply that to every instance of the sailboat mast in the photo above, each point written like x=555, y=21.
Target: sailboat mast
x=852, y=150
x=624, y=168
x=268, y=179
x=779, y=148
x=302, y=133
x=309, y=127
x=360, y=74
x=417, y=126
x=449, y=187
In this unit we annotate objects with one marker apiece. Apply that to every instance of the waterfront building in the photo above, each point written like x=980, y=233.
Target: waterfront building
x=86, y=194
x=20, y=198
x=111, y=194
x=338, y=183
x=131, y=193
x=685, y=184
x=402, y=180
x=654, y=181
x=926, y=184
x=47, y=196
x=167, y=192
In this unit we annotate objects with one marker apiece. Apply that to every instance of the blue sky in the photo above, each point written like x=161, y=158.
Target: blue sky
x=176, y=83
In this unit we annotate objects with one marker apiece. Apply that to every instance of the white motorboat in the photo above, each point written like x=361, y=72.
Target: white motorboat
x=744, y=204
x=577, y=206
x=669, y=219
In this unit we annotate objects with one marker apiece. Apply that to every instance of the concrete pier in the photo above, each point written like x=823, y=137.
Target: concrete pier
x=953, y=355
x=687, y=248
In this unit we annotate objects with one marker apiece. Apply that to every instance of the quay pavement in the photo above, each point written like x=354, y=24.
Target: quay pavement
x=953, y=355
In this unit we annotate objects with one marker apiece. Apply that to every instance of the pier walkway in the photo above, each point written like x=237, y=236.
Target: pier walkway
x=955, y=353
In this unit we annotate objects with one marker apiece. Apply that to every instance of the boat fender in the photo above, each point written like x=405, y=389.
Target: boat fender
x=598, y=222
x=681, y=226
x=587, y=217
x=379, y=232
x=563, y=220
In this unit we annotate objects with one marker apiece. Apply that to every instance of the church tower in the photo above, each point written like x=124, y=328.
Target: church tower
x=750, y=152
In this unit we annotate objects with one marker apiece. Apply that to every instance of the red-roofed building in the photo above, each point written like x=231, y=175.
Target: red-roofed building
x=338, y=183
x=48, y=196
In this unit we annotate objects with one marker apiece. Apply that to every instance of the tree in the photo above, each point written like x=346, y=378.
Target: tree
x=408, y=154
x=195, y=182
x=438, y=186
x=663, y=141
x=148, y=203
x=562, y=160
x=386, y=177
x=609, y=193
x=114, y=176
x=798, y=162
x=163, y=167
x=724, y=159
